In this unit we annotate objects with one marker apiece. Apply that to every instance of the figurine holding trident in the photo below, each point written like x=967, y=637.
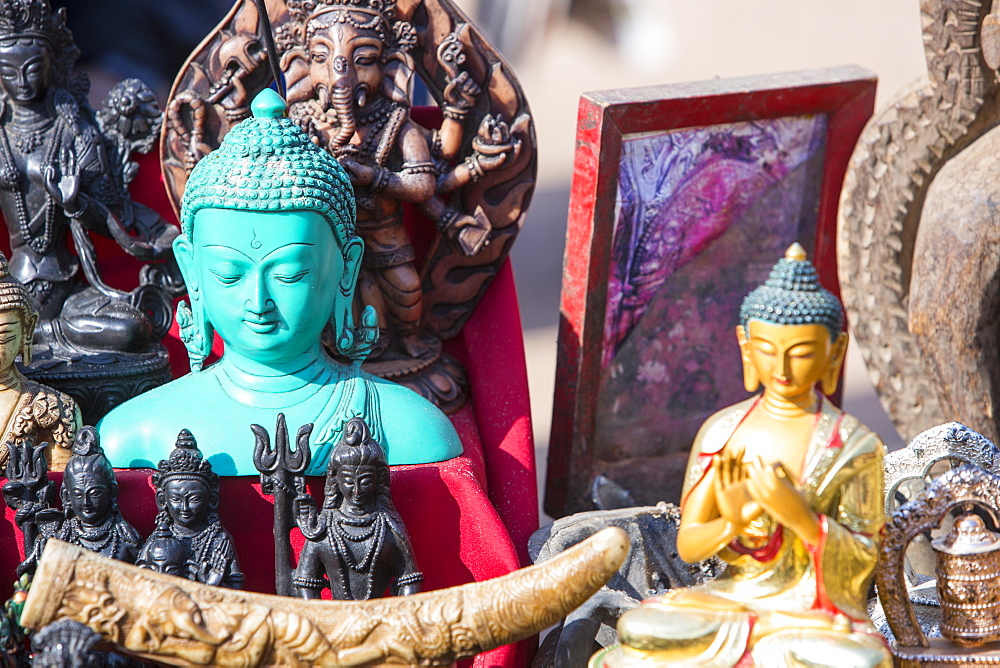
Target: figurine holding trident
x=281, y=471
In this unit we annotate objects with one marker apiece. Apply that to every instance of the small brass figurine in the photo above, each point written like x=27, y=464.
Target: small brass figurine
x=64, y=172
x=187, y=496
x=90, y=517
x=29, y=412
x=358, y=540
x=166, y=619
x=785, y=488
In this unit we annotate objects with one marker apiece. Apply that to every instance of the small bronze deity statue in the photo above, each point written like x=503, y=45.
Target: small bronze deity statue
x=190, y=540
x=90, y=517
x=357, y=540
x=65, y=171
x=355, y=100
x=28, y=411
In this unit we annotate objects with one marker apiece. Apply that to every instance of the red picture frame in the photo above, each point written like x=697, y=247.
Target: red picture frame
x=845, y=96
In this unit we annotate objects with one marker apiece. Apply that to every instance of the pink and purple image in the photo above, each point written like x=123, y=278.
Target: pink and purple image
x=702, y=215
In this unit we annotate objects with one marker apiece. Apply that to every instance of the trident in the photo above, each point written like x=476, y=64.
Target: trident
x=278, y=469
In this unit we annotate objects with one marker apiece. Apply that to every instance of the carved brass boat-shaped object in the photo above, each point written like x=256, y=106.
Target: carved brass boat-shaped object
x=175, y=621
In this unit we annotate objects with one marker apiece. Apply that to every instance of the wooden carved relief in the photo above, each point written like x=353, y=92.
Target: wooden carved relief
x=918, y=232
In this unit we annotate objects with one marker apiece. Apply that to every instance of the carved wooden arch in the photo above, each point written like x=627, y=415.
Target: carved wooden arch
x=214, y=88
x=966, y=485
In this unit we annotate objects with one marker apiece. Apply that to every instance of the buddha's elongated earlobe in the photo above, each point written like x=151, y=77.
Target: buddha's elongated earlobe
x=28, y=332
x=352, y=342
x=751, y=380
x=342, y=323
x=355, y=343
x=831, y=377
x=196, y=331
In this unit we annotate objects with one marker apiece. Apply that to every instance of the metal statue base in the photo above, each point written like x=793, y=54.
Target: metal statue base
x=98, y=381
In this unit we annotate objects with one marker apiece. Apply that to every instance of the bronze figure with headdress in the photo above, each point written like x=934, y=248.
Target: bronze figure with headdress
x=187, y=497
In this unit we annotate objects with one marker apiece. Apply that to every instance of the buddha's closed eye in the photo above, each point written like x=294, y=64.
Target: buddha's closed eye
x=226, y=278
x=292, y=278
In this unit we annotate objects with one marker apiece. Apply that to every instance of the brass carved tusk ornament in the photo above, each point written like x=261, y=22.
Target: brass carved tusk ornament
x=179, y=622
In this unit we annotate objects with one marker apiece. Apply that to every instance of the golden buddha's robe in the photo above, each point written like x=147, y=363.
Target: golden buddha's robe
x=42, y=415
x=771, y=570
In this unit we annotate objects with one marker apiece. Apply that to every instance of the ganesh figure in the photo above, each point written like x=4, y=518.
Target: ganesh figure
x=358, y=541
x=787, y=490
x=270, y=257
x=187, y=497
x=64, y=175
x=89, y=518
x=349, y=66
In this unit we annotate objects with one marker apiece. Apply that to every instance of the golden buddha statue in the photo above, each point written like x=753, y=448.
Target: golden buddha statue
x=29, y=412
x=787, y=490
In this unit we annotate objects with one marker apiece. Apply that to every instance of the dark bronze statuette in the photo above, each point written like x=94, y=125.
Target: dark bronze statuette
x=64, y=174
x=189, y=540
x=357, y=544
x=90, y=517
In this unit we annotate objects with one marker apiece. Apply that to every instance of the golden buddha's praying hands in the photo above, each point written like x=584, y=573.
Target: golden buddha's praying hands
x=772, y=487
x=732, y=491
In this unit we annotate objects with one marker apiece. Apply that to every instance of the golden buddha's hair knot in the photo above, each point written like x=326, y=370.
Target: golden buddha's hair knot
x=796, y=252
x=793, y=295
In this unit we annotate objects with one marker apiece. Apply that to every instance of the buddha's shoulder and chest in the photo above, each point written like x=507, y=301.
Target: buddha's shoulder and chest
x=829, y=438
x=140, y=432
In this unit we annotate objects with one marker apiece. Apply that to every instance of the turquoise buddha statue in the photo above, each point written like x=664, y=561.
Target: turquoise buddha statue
x=270, y=257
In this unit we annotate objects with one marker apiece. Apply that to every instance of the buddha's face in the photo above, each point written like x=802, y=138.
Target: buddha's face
x=25, y=70
x=348, y=58
x=11, y=337
x=88, y=494
x=359, y=485
x=268, y=281
x=188, y=502
x=790, y=359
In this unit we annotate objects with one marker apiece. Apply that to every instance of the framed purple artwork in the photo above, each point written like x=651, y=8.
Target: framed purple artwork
x=683, y=197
